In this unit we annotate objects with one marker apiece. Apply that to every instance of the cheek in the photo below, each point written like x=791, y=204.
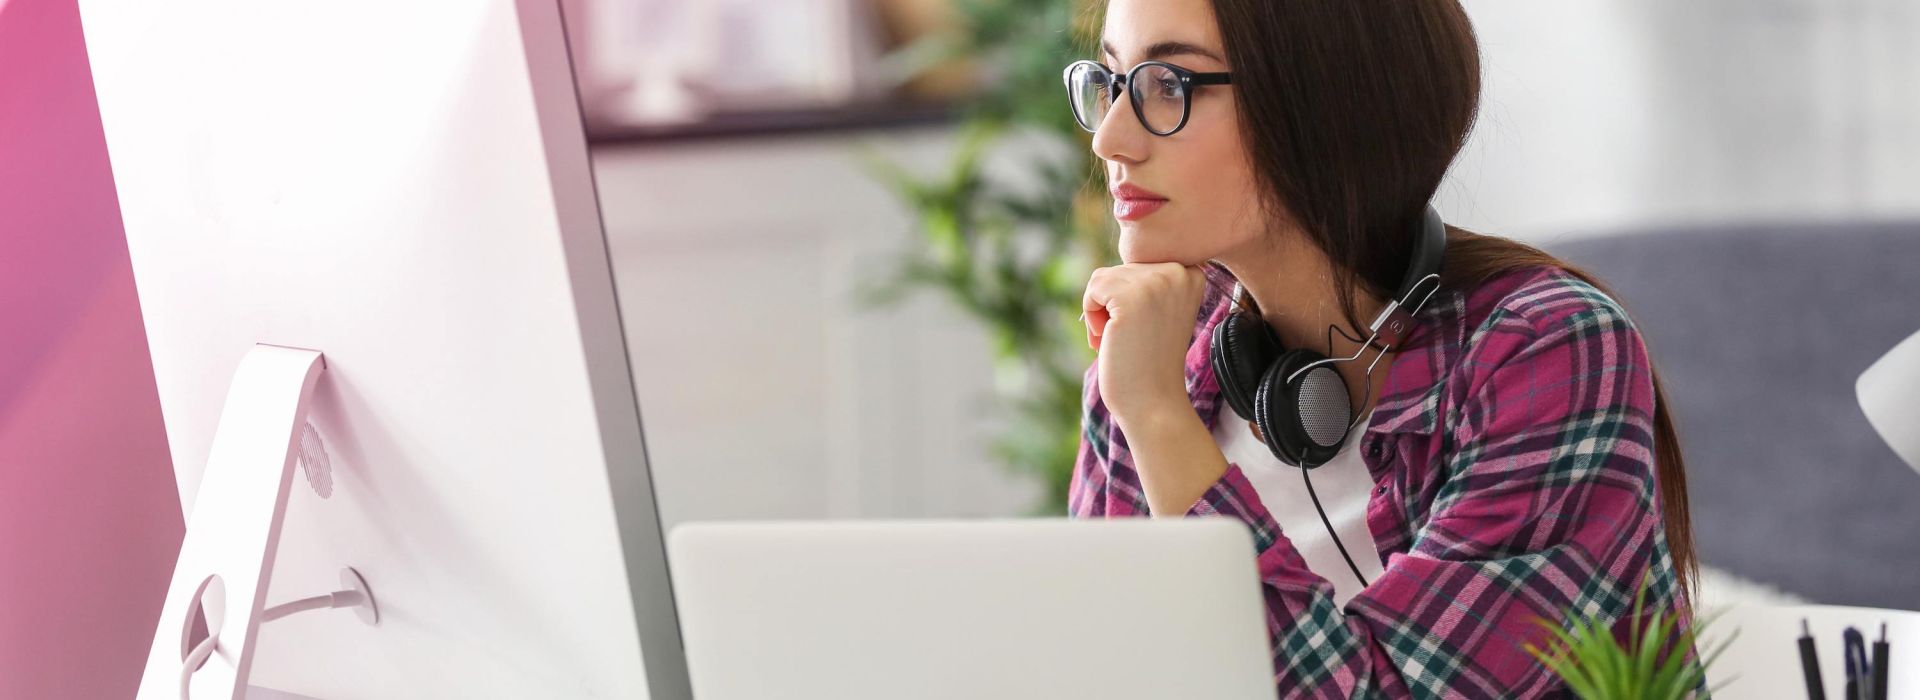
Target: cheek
x=1223, y=198
x=1224, y=164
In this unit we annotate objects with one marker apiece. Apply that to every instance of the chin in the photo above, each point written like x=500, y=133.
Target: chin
x=1137, y=246
x=1135, y=250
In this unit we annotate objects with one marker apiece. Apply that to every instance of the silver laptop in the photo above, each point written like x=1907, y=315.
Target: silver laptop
x=1050, y=608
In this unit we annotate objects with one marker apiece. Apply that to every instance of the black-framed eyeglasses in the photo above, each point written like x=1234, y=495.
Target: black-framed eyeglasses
x=1161, y=93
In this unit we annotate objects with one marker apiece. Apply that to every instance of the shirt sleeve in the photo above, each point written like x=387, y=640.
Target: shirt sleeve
x=1103, y=482
x=1544, y=503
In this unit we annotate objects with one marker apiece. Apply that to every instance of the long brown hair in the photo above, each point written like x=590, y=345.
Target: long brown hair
x=1352, y=112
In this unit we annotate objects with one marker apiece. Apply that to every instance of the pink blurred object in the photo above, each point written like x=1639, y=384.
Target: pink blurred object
x=89, y=516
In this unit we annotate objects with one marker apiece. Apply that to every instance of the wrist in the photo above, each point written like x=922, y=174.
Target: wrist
x=1175, y=457
x=1165, y=411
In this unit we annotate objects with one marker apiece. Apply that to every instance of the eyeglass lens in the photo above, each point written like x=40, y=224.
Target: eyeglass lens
x=1158, y=95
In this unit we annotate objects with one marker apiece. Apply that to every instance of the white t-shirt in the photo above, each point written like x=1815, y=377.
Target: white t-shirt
x=1343, y=484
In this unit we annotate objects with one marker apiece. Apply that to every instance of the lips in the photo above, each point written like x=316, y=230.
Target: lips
x=1132, y=202
x=1135, y=209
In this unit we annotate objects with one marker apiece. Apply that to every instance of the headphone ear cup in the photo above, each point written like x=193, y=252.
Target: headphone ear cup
x=1271, y=406
x=1291, y=413
x=1241, y=349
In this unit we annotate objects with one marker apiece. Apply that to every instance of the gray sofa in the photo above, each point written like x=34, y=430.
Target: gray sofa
x=1759, y=332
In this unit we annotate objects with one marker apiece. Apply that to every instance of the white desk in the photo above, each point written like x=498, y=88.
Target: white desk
x=1764, y=660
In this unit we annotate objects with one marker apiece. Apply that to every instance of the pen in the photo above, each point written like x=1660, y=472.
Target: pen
x=1880, y=665
x=1853, y=650
x=1810, y=664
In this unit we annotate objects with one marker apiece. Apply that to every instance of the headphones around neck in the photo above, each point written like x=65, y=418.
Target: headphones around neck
x=1295, y=397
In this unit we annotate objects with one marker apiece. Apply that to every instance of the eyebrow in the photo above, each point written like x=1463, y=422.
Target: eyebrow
x=1164, y=49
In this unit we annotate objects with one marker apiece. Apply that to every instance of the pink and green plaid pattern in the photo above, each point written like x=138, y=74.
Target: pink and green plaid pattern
x=1512, y=456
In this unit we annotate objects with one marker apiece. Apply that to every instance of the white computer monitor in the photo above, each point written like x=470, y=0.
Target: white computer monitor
x=405, y=188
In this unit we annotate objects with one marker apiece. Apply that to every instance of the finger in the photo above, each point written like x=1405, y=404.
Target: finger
x=1197, y=276
x=1108, y=284
x=1091, y=298
x=1093, y=305
x=1159, y=278
x=1190, y=277
x=1096, y=325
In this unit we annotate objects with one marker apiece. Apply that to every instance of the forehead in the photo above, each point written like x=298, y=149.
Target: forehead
x=1140, y=30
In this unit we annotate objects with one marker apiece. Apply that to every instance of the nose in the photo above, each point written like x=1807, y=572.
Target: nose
x=1120, y=137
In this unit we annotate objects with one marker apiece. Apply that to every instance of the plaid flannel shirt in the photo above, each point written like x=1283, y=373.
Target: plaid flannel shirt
x=1513, y=462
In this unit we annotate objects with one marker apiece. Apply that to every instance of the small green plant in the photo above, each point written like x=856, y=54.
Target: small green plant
x=1590, y=660
x=1015, y=256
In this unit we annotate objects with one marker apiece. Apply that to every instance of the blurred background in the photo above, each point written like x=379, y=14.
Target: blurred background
x=850, y=257
x=849, y=237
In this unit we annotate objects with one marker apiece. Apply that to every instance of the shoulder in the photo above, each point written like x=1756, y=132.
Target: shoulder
x=1537, y=308
x=1549, y=349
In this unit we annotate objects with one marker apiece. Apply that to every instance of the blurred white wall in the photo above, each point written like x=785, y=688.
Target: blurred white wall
x=764, y=391
x=1599, y=114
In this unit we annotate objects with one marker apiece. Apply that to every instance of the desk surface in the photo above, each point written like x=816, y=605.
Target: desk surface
x=1764, y=658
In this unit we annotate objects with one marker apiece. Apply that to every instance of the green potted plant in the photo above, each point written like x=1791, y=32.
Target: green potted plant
x=1593, y=663
x=1014, y=256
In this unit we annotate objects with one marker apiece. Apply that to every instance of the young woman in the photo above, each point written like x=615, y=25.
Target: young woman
x=1510, y=458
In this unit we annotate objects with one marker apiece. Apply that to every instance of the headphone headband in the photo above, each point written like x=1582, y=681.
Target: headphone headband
x=1429, y=250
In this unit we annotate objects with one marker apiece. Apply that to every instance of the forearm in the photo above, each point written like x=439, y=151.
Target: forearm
x=1175, y=456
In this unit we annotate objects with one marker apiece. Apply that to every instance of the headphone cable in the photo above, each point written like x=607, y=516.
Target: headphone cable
x=1305, y=475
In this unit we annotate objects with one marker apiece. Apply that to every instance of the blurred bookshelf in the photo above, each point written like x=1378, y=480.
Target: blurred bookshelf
x=880, y=114
x=699, y=70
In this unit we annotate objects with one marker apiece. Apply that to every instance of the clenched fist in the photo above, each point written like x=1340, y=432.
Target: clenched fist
x=1140, y=319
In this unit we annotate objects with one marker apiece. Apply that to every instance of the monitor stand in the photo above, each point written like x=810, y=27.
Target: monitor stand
x=217, y=598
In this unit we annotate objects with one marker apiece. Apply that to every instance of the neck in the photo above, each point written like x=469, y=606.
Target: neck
x=1294, y=286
